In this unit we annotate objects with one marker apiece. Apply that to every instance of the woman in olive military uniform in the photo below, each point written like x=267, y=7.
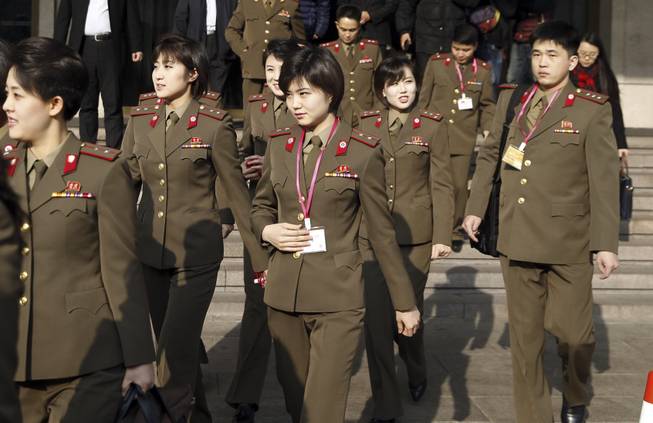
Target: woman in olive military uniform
x=178, y=148
x=420, y=197
x=318, y=178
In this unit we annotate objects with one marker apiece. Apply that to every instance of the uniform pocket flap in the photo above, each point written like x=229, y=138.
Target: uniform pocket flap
x=281, y=181
x=140, y=151
x=569, y=210
x=351, y=259
x=91, y=300
x=565, y=139
x=194, y=154
x=339, y=184
x=69, y=205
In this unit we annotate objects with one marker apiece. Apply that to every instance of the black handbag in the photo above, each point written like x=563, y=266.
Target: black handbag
x=626, y=190
x=488, y=231
x=158, y=405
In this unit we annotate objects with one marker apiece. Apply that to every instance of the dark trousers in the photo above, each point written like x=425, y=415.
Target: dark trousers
x=104, y=78
x=254, y=345
x=179, y=299
x=219, y=65
x=381, y=330
x=558, y=299
x=95, y=397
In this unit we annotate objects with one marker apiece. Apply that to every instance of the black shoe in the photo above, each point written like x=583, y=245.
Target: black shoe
x=457, y=245
x=375, y=420
x=244, y=414
x=577, y=414
x=417, y=391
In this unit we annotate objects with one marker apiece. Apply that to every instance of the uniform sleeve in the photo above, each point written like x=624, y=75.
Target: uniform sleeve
x=246, y=141
x=603, y=175
x=441, y=187
x=297, y=25
x=382, y=233
x=227, y=162
x=486, y=161
x=181, y=17
x=487, y=102
x=134, y=27
x=384, y=12
x=127, y=148
x=323, y=16
x=61, y=24
x=121, y=269
x=264, y=207
x=405, y=16
x=618, y=123
x=234, y=32
x=426, y=91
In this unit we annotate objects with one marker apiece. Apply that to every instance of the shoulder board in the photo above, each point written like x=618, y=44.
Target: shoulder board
x=212, y=112
x=370, y=41
x=279, y=132
x=430, y=115
x=147, y=96
x=329, y=44
x=440, y=56
x=507, y=86
x=255, y=97
x=483, y=63
x=363, y=138
x=211, y=95
x=99, y=152
x=591, y=96
x=143, y=110
x=370, y=113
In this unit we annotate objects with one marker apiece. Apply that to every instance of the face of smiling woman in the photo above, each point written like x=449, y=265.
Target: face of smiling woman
x=308, y=104
x=401, y=94
x=272, y=72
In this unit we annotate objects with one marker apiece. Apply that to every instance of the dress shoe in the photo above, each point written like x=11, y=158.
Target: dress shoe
x=244, y=414
x=375, y=420
x=577, y=414
x=457, y=245
x=417, y=391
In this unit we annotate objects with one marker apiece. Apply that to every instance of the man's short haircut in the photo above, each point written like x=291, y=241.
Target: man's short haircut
x=391, y=70
x=281, y=49
x=465, y=34
x=319, y=68
x=349, y=11
x=560, y=33
x=190, y=54
x=47, y=68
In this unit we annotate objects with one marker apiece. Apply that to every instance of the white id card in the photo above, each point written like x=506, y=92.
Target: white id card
x=465, y=103
x=318, y=243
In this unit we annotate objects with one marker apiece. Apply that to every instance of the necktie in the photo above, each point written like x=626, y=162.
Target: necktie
x=172, y=120
x=39, y=170
x=268, y=5
x=394, y=129
x=535, y=111
x=311, y=153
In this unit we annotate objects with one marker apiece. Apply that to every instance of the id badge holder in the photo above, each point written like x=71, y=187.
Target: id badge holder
x=465, y=103
x=513, y=157
x=318, y=241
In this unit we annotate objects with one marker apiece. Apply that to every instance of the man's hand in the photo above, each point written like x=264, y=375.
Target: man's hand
x=608, y=262
x=405, y=41
x=407, y=322
x=226, y=230
x=470, y=225
x=287, y=237
x=440, y=251
x=142, y=376
x=365, y=17
x=137, y=56
x=252, y=167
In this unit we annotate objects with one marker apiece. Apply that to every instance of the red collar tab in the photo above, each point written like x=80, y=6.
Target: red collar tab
x=569, y=101
x=11, y=169
x=192, y=121
x=342, y=148
x=71, y=163
x=154, y=120
x=290, y=143
x=378, y=122
x=417, y=122
x=264, y=107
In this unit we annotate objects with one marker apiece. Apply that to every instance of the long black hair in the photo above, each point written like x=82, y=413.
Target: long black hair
x=607, y=83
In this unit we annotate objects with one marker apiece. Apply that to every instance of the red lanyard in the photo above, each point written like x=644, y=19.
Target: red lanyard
x=460, y=74
x=529, y=135
x=306, y=202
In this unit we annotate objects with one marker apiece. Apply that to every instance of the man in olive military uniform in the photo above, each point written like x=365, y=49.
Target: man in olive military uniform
x=252, y=26
x=459, y=86
x=558, y=208
x=358, y=60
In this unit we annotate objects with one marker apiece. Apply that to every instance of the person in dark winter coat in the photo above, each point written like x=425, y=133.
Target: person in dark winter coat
x=316, y=15
x=376, y=19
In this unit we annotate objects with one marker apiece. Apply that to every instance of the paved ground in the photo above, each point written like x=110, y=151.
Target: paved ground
x=469, y=370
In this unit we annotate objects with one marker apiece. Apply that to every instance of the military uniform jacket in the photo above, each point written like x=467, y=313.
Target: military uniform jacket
x=84, y=307
x=418, y=182
x=359, y=76
x=440, y=93
x=260, y=122
x=332, y=280
x=564, y=203
x=179, y=222
x=251, y=27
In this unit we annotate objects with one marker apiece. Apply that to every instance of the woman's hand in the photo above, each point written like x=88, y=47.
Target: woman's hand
x=287, y=237
x=440, y=251
x=623, y=156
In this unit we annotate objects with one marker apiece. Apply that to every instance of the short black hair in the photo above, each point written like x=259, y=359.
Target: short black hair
x=281, y=49
x=189, y=53
x=319, y=68
x=465, y=34
x=47, y=69
x=561, y=33
x=391, y=70
x=5, y=51
x=349, y=11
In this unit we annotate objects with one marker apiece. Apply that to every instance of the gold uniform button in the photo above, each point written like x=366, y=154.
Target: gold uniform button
x=527, y=163
x=25, y=251
x=162, y=166
x=265, y=41
x=352, y=98
x=267, y=31
x=296, y=255
x=391, y=159
x=162, y=182
x=24, y=227
x=457, y=91
x=23, y=276
x=392, y=186
x=390, y=201
x=453, y=111
x=22, y=301
x=351, y=73
x=300, y=217
x=162, y=198
x=455, y=101
x=160, y=214
x=352, y=89
x=523, y=181
x=521, y=200
x=450, y=120
x=267, y=22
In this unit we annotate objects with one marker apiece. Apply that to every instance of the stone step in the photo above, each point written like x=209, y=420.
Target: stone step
x=640, y=224
x=642, y=177
x=638, y=142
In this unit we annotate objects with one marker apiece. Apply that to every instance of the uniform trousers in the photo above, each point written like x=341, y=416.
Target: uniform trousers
x=251, y=87
x=254, y=344
x=95, y=397
x=460, y=177
x=315, y=354
x=381, y=330
x=179, y=299
x=558, y=299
